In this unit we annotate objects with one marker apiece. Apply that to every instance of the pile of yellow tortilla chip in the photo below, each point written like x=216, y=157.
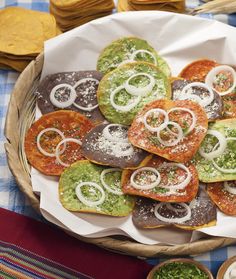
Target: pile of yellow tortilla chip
x=72, y=13
x=176, y=6
x=22, y=34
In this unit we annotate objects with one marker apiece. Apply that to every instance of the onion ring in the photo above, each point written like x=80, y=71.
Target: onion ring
x=194, y=120
x=139, y=91
x=191, y=97
x=179, y=135
x=66, y=103
x=230, y=189
x=145, y=187
x=203, y=102
x=171, y=207
x=135, y=53
x=57, y=151
x=155, y=129
x=85, y=108
x=40, y=147
x=125, y=62
x=182, y=184
x=86, y=201
x=126, y=107
x=107, y=187
x=193, y=203
x=212, y=74
x=214, y=153
x=173, y=220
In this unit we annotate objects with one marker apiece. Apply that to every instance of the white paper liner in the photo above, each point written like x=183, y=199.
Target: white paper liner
x=180, y=39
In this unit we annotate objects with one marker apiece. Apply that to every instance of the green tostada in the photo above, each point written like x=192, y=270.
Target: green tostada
x=216, y=158
x=123, y=92
x=129, y=49
x=86, y=187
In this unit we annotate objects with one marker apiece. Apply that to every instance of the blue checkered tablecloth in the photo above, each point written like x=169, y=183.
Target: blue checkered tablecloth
x=10, y=196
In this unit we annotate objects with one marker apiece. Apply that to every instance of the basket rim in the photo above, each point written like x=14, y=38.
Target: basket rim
x=124, y=246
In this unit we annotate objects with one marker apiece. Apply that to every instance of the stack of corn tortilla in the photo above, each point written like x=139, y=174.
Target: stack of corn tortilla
x=177, y=6
x=72, y=13
x=22, y=35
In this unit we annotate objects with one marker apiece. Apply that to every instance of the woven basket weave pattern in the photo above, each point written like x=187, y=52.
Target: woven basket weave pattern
x=21, y=114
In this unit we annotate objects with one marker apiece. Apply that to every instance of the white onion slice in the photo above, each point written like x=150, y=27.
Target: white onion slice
x=125, y=62
x=117, y=149
x=194, y=119
x=127, y=107
x=230, y=189
x=112, y=138
x=191, y=97
x=214, y=153
x=85, y=108
x=83, y=80
x=159, y=111
x=139, y=91
x=148, y=186
x=135, y=53
x=85, y=201
x=182, y=184
x=171, y=207
x=107, y=187
x=63, y=104
x=212, y=74
x=179, y=135
x=40, y=147
x=193, y=203
x=203, y=102
x=57, y=151
x=223, y=169
x=173, y=220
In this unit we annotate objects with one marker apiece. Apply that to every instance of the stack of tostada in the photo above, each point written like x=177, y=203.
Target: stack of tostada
x=72, y=13
x=129, y=138
x=22, y=35
x=176, y=6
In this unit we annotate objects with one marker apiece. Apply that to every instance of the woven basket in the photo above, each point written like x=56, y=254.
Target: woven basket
x=20, y=116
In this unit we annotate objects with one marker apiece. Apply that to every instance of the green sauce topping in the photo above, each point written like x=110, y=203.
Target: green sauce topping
x=122, y=49
x=91, y=193
x=178, y=270
x=84, y=171
x=113, y=179
x=206, y=170
x=117, y=78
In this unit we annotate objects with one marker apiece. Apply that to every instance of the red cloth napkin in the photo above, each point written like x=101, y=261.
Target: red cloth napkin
x=54, y=244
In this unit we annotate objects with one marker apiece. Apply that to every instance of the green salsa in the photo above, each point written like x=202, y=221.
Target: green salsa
x=179, y=270
x=121, y=50
x=206, y=170
x=84, y=171
x=117, y=78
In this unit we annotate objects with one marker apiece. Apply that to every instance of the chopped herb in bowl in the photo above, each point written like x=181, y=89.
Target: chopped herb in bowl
x=180, y=269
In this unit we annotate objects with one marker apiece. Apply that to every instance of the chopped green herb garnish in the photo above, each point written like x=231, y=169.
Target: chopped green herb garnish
x=179, y=270
x=159, y=190
x=185, y=127
x=155, y=141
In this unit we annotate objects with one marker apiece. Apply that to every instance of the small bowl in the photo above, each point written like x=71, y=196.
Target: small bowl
x=182, y=260
x=224, y=267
